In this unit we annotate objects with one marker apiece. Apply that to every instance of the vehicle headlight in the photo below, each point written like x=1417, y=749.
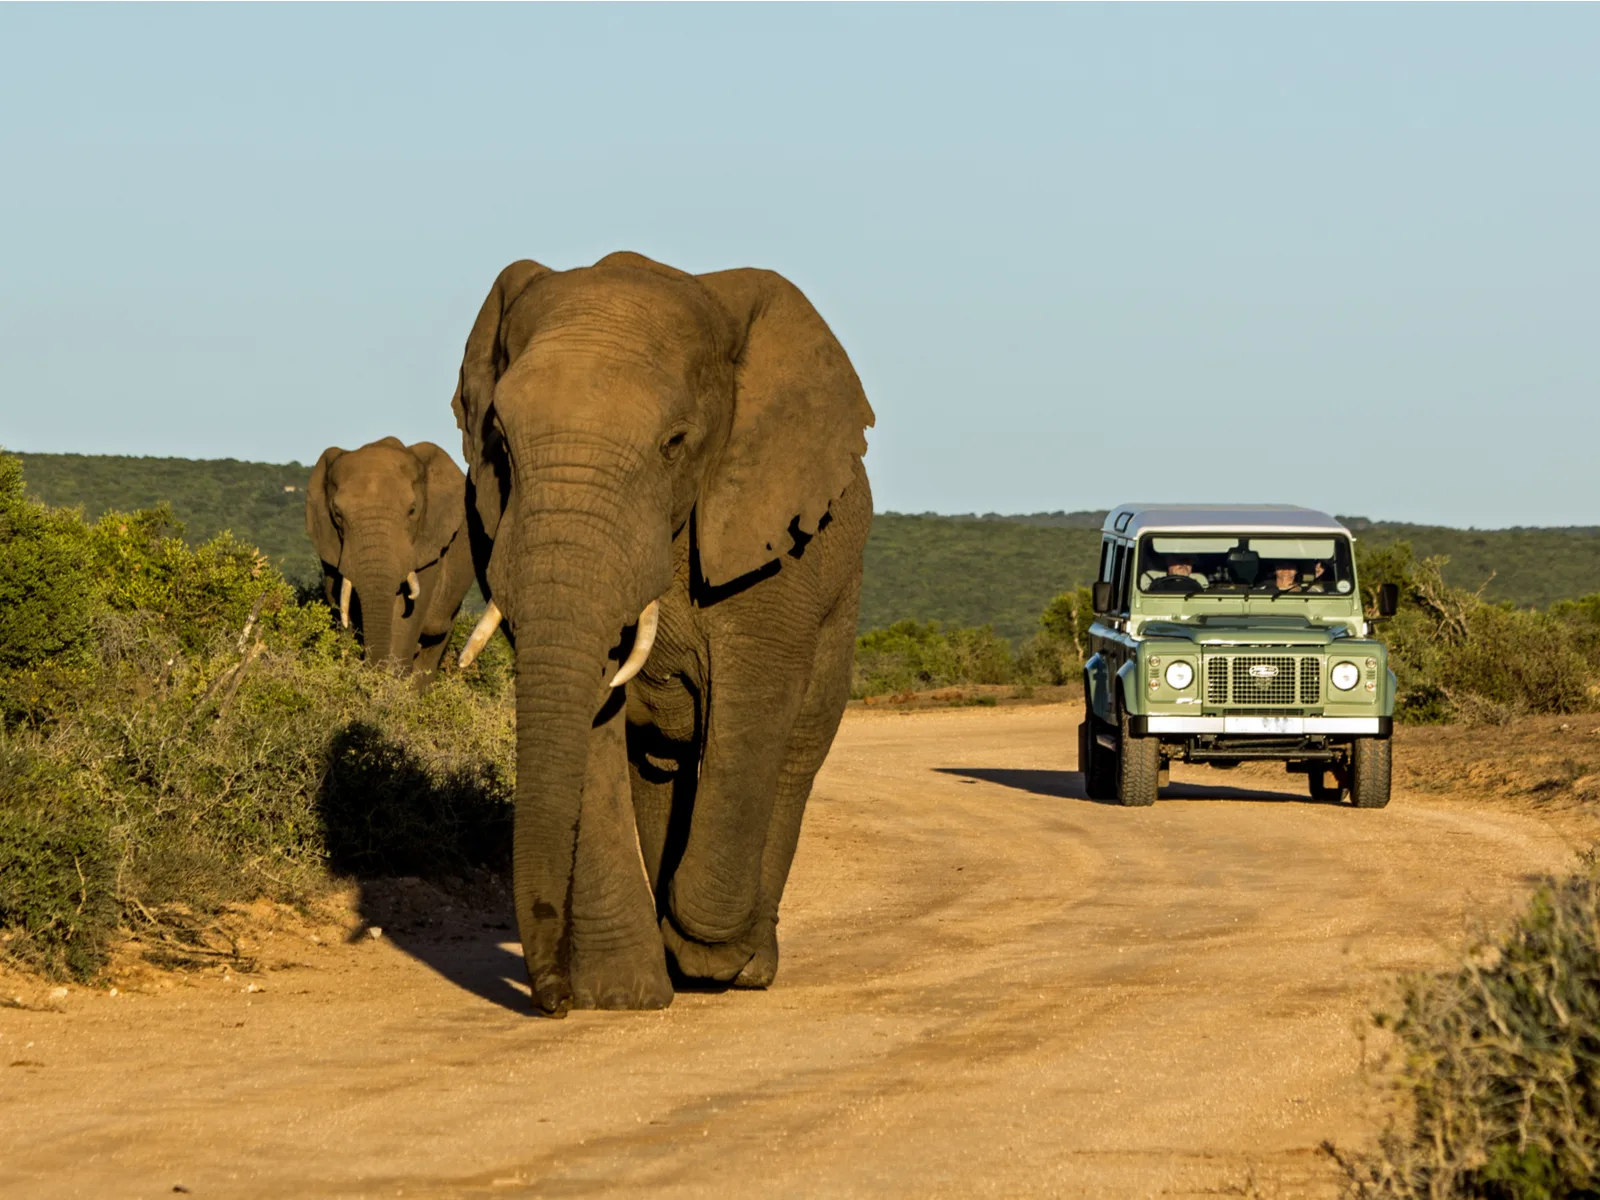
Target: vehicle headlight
x=1345, y=676
x=1179, y=676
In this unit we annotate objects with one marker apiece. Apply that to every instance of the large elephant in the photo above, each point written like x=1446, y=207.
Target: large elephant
x=389, y=523
x=668, y=471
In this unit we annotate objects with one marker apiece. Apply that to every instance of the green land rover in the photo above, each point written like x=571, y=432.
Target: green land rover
x=1224, y=633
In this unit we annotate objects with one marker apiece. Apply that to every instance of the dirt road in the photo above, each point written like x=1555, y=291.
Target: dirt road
x=989, y=985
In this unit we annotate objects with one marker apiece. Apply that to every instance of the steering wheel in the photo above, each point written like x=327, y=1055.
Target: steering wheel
x=1175, y=585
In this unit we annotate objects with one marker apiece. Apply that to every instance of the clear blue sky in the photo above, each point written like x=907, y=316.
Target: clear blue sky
x=1347, y=257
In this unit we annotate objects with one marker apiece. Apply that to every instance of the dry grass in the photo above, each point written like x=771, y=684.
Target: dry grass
x=1498, y=1064
x=1552, y=760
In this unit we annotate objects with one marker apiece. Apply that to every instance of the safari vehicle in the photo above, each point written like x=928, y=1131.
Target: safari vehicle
x=1224, y=633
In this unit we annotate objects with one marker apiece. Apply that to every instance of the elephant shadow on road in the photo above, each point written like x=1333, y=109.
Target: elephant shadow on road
x=460, y=928
x=1069, y=785
x=430, y=848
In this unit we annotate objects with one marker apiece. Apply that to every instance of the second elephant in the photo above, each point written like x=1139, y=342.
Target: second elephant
x=389, y=523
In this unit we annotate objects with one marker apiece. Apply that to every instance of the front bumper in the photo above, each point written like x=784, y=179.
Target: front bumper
x=1268, y=726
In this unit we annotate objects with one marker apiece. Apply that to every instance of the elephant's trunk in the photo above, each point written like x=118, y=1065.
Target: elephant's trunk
x=379, y=576
x=566, y=628
x=561, y=668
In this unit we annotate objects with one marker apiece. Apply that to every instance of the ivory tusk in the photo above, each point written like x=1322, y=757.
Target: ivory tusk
x=344, y=603
x=646, y=637
x=413, y=588
x=481, y=633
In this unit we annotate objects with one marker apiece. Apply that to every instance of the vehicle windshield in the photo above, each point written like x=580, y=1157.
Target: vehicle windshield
x=1225, y=564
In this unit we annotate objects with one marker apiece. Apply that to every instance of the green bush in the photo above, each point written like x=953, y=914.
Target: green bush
x=1456, y=655
x=47, y=586
x=1056, y=653
x=178, y=731
x=912, y=655
x=1500, y=1064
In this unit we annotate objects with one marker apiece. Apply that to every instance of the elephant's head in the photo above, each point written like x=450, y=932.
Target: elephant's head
x=605, y=412
x=378, y=516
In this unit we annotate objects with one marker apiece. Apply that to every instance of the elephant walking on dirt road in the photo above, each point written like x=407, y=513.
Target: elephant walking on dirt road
x=668, y=468
x=389, y=523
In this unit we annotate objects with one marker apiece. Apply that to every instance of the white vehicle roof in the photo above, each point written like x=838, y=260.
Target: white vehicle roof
x=1131, y=520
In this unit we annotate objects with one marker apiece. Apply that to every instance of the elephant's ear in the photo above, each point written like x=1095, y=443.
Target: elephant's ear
x=484, y=361
x=446, y=502
x=319, y=519
x=798, y=432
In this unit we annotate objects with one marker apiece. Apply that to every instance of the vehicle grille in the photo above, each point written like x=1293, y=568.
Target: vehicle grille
x=1258, y=680
x=1216, y=681
x=1310, y=681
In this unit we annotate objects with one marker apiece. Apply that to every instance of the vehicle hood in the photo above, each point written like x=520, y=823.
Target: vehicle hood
x=1249, y=631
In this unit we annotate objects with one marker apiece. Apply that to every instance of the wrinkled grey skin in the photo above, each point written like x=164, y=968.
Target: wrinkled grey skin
x=633, y=432
x=376, y=514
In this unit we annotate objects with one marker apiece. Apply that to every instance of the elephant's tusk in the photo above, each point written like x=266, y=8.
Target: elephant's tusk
x=413, y=588
x=344, y=603
x=481, y=633
x=643, y=640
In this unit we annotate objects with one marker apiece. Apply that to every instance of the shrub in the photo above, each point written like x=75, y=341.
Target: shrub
x=179, y=731
x=47, y=586
x=1055, y=654
x=1501, y=1064
x=1456, y=655
x=913, y=655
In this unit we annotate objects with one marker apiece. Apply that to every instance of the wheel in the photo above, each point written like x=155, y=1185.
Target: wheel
x=1096, y=762
x=1138, y=768
x=1369, y=773
x=1325, y=785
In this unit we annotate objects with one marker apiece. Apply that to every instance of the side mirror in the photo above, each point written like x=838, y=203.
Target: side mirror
x=1388, y=600
x=1101, y=596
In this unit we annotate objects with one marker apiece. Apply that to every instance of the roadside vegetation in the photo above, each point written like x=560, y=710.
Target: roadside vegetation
x=180, y=730
x=1460, y=656
x=1497, y=1068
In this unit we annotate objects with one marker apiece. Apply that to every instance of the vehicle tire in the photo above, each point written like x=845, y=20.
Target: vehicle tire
x=1369, y=773
x=1138, y=769
x=1325, y=785
x=1096, y=762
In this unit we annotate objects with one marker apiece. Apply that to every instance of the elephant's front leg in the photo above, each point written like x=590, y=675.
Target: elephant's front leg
x=814, y=729
x=617, y=956
x=759, y=677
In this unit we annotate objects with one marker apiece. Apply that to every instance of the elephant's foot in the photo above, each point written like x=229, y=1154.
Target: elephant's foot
x=715, y=962
x=761, y=970
x=622, y=981
x=552, y=992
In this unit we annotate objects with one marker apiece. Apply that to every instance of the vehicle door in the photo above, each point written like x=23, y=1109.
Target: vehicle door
x=1109, y=643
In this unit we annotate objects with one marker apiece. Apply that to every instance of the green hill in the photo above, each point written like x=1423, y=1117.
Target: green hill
x=263, y=503
x=972, y=570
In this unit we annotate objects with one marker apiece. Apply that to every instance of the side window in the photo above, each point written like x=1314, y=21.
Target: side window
x=1119, y=579
x=1125, y=579
x=1105, y=560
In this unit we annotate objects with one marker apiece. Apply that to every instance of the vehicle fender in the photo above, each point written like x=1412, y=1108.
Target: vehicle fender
x=1391, y=689
x=1097, y=687
x=1128, y=683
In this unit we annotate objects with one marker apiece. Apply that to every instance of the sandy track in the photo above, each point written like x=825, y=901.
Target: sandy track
x=989, y=985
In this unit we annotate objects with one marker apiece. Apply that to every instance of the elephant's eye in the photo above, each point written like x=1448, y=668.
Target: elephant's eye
x=673, y=446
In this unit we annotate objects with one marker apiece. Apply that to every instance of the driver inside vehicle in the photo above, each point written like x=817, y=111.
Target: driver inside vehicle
x=1178, y=567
